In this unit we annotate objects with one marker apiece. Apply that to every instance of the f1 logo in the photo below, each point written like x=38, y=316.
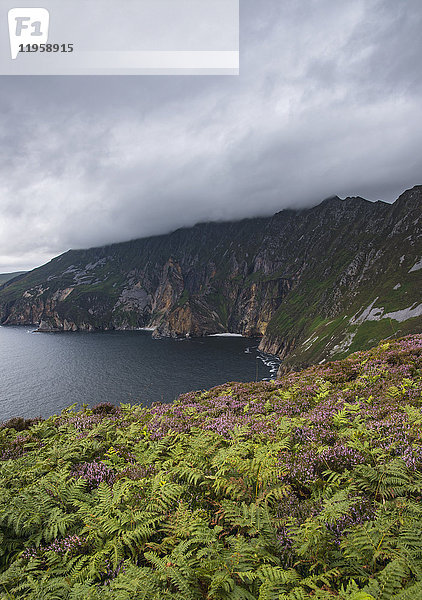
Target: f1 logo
x=26, y=26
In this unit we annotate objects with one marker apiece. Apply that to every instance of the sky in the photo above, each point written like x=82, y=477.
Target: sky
x=328, y=102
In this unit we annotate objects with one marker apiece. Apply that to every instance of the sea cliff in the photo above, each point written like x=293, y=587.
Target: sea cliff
x=314, y=284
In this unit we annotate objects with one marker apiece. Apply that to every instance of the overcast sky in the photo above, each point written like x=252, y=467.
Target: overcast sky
x=328, y=102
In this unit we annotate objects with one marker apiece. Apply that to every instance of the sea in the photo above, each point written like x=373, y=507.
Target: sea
x=43, y=373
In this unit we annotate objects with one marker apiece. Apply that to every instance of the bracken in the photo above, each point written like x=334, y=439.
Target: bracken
x=306, y=487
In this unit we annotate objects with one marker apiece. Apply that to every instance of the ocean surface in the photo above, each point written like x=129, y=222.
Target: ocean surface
x=42, y=373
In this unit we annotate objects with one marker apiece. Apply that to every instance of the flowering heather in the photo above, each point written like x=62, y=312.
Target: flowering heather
x=15, y=448
x=18, y=446
x=93, y=473
x=305, y=487
x=73, y=544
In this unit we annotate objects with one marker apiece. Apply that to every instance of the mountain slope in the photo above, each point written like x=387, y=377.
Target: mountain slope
x=314, y=283
x=4, y=277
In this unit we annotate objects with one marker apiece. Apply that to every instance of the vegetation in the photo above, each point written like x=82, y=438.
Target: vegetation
x=184, y=298
x=4, y=277
x=307, y=487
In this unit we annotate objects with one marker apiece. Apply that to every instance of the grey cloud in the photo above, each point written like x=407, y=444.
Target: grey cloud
x=328, y=102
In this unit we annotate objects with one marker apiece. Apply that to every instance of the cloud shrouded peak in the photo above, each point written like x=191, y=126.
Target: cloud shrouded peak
x=328, y=102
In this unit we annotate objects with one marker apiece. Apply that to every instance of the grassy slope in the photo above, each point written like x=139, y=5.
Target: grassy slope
x=4, y=277
x=322, y=336
x=307, y=487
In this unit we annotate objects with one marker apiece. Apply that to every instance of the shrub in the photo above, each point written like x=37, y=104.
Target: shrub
x=105, y=408
x=21, y=424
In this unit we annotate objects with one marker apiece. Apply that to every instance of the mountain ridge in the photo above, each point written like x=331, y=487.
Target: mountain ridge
x=300, y=280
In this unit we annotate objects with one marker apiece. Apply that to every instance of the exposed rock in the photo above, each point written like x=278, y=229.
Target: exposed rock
x=416, y=266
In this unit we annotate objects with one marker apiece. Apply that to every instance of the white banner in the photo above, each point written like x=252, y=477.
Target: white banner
x=81, y=37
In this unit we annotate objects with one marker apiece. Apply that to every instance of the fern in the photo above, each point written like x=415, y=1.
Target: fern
x=273, y=509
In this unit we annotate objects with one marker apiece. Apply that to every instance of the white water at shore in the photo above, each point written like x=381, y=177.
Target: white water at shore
x=227, y=334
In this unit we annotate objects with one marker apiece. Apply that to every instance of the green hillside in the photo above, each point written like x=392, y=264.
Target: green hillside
x=305, y=487
x=4, y=277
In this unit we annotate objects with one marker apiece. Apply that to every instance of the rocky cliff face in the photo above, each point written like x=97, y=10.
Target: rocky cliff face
x=313, y=284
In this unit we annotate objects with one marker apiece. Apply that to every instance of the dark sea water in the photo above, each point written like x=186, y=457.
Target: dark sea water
x=40, y=374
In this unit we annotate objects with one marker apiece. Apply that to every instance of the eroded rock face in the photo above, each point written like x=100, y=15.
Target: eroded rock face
x=300, y=280
x=53, y=324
